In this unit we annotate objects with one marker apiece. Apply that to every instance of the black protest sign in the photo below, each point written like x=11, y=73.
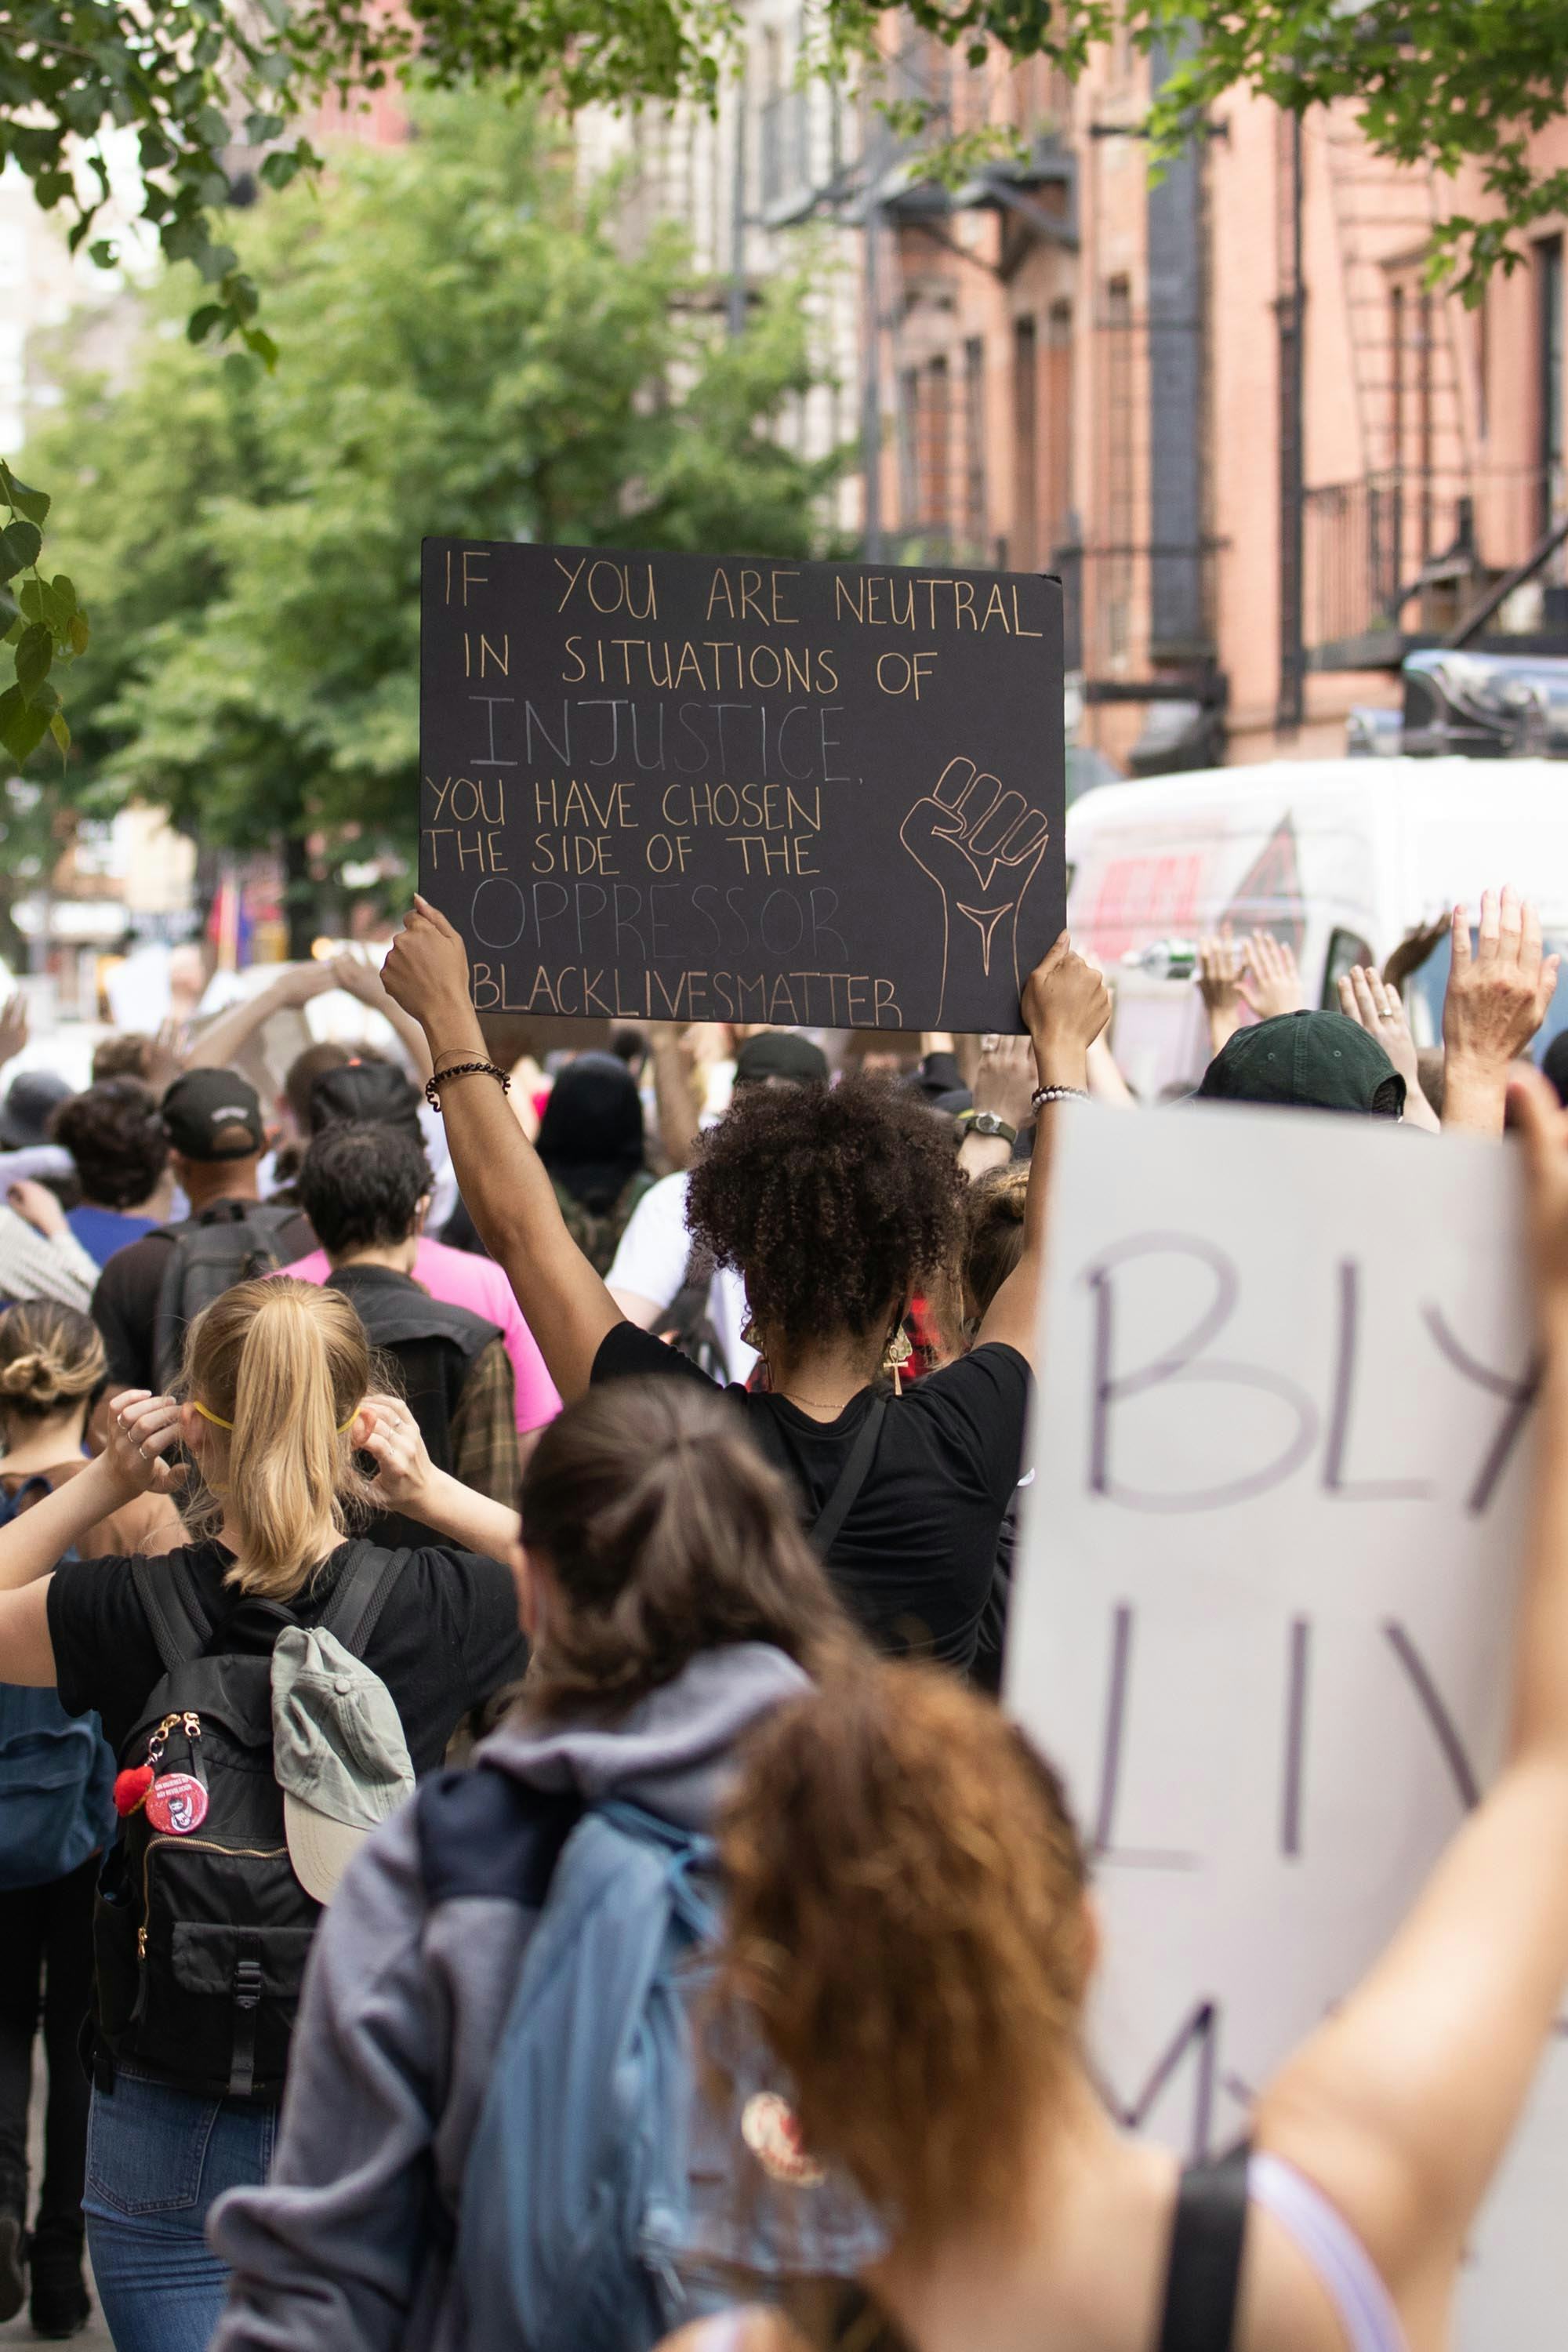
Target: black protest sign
x=701, y=788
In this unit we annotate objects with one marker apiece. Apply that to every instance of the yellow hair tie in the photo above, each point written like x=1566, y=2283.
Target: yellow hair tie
x=218, y=1422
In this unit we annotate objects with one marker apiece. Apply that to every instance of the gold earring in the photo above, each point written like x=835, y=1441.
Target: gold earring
x=897, y=1354
x=751, y=1337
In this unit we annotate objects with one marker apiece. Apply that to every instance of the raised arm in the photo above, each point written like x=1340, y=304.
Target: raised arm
x=1066, y=1006
x=1401, y=2106
x=231, y=1031
x=511, y=1199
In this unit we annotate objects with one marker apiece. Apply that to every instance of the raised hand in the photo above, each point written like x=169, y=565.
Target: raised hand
x=1005, y=1079
x=981, y=846
x=1271, y=982
x=1216, y=971
x=428, y=973
x=1066, y=1005
x=1497, y=998
x=1368, y=998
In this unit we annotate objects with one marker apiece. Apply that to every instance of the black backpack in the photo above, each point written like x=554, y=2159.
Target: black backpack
x=232, y=1242
x=686, y=1324
x=201, y=1934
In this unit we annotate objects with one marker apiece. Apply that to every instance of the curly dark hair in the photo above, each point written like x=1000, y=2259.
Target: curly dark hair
x=118, y=1140
x=361, y=1186
x=835, y=1203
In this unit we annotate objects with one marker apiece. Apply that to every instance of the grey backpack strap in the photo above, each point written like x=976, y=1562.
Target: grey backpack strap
x=167, y=1591
x=825, y=1529
x=360, y=1595
x=1206, y=2240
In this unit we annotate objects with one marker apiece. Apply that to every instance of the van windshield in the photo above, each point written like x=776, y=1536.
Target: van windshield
x=1430, y=985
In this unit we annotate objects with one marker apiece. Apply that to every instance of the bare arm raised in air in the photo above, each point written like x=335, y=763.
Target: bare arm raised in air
x=1066, y=1006
x=511, y=1199
x=1400, y=2106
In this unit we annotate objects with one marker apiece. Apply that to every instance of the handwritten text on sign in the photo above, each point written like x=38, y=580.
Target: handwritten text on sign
x=1264, y=1619
x=696, y=788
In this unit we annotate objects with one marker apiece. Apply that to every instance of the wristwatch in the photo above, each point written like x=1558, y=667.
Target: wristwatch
x=985, y=1122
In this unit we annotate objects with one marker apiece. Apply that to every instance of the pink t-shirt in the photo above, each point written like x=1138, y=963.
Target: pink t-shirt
x=461, y=1279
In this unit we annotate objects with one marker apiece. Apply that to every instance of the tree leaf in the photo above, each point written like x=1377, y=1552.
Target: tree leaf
x=19, y=546
x=33, y=504
x=60, y=731
x=65, y=596
x=22, y=729
x=200, y=324
x=78, y=631
x=35, y=652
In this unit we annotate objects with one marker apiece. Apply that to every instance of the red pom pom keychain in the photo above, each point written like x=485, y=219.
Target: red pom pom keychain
x=131, y=1788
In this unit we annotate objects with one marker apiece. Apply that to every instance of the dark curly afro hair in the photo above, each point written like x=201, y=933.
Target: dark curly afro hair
x=835, y=1204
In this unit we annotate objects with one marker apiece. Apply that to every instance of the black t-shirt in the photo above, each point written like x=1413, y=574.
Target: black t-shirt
x=446, y=1637
x=914, y=1557
x=125, y=1303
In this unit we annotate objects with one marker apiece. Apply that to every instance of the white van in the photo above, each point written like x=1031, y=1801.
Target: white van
x=1339, y=857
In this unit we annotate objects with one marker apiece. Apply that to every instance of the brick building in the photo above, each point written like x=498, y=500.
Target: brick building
x=1265, y=458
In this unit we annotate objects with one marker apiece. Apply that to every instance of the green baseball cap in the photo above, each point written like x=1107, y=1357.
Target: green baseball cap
x=1313, y=1061
x=338, y=1752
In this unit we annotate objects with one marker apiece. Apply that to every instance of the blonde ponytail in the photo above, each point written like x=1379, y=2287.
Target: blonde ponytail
x=282, y=1368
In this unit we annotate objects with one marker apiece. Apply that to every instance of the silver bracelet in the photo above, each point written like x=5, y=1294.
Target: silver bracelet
x=1043, y=1094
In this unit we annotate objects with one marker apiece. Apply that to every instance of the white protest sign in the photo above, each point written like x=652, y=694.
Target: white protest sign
x=1264, y=1605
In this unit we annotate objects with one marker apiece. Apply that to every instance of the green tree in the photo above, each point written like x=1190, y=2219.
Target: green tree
x=471, y=352
x=1454, y=83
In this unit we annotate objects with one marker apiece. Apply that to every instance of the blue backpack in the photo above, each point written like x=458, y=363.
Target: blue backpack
x=574, y=2192
x=56, y=1775
x=577, y=2230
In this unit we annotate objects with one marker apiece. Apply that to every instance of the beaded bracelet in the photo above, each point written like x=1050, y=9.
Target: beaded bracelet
x=1043, y=1094
x=463, y=1070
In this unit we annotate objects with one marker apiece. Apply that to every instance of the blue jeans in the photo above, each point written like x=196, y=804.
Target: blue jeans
x=157, y=2161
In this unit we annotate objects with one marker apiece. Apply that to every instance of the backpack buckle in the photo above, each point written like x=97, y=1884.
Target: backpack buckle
x=247, y=1984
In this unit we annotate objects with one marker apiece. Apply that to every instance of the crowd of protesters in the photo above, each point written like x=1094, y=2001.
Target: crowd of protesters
x=655, y=1417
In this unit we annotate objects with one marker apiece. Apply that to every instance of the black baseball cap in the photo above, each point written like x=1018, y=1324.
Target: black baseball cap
x=31, y=1101
x=214, y=1115
x=1312, y=1061
x=369, y=1093
x=781, y=1054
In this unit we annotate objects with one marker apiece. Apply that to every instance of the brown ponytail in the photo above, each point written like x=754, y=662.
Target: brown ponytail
x=51, y=1358
x=907, y=1923
x=286, y=1366
x=666, y=1533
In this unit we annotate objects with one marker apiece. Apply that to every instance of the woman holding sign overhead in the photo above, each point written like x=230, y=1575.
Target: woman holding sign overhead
x=908, y=1925
x=836, y=1205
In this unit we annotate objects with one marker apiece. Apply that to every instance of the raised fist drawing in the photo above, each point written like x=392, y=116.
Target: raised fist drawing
x=982, y=846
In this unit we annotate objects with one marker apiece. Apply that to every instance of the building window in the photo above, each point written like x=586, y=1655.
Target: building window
x=1549, y=377
x=909, y=447
x=974, y=515
x=1120, y=485
x=936, y=442
x=1059, y=428
x=1023, y=551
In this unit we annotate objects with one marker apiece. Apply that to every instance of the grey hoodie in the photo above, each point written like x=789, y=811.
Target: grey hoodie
x=346, y=2248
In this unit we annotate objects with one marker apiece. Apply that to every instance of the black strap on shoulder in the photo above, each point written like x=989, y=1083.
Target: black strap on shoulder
x=1205, y=2272
x=175, y=1611
x=851, y=1478
x=360, y=1595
